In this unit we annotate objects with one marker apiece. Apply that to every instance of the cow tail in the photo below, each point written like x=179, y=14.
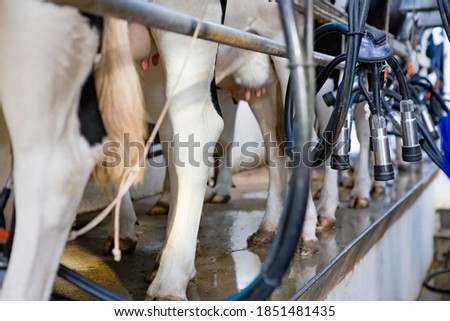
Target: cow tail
x=121, y=105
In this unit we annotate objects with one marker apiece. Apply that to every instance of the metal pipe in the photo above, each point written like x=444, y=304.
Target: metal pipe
x=157, y=16
x=153, y=15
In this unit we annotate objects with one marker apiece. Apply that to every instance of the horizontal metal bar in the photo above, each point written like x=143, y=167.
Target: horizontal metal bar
x=325, y=12
x=429, y=19
x=157, y=16
x=418, y=5
x=153, y=15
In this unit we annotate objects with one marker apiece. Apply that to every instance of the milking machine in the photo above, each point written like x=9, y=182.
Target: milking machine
x=367, y=54
x=415, y=124
x=354, y=31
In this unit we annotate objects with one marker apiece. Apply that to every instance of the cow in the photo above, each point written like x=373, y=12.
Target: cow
x=53, y=160
x=262, y=81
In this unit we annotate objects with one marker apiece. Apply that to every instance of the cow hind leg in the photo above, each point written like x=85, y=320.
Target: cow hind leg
x=329, y=193
x=360, y=195
x=266, y=113
x=193, y=119
x=52, y=161
x=162, y=206
x=220, y=193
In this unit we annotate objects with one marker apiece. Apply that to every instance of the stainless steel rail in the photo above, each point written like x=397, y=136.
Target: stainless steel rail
x=153, y=15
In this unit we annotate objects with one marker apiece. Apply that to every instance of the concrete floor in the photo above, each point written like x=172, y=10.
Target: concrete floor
x=224, y=264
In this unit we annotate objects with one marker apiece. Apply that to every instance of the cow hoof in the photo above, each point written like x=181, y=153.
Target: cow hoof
x=152, y=274
x=358, y=202
x=325, y=223
x=348, y=183
x=260, y=238
x=316, y=195
x=308, y=248
x=160, y=208
x=218, y=198
x=164, y=298
x=378, y=190
x=126, y=245
x=404, y=168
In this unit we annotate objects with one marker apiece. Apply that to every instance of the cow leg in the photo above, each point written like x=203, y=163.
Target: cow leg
x=360, y=195
x=329, y=194
x=193, y=118
x=52, y=161
x=329, y=199
x=224, y=182
x=309, y=244
x=162, y=205
x=265, y=111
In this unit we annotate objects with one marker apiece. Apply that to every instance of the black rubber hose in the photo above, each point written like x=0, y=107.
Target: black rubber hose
x=444, y=10
x=415, y=96
x=376, y=89
x=435, y=110
x=438, y=113
x=431, y=276
x=3, y=199
x=325, y=73
x=288, y=121
x=393, y=94
x=88, y=285
x=363, y=89
x=324, y=29
x=433, y=156
x=289, y=109
x=436, y=155
x=403, y=87
x=427, y=85
x=328, y=138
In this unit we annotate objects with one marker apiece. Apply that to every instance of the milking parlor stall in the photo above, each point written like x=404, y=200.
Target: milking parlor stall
x=272, y=150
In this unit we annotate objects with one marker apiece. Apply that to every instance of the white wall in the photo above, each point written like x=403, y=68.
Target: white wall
x=395, y=267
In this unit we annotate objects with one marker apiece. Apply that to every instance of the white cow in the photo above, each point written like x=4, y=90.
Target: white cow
x=234, y=64
x=255, y=78
x=191, y=114
x=52, y=160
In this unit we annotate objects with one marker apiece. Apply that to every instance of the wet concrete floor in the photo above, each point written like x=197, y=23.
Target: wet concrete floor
x=224, y=263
